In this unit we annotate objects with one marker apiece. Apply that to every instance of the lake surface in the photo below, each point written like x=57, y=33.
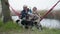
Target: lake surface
x=50, y=23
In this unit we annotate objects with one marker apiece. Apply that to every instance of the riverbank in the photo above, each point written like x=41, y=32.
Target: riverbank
x=49, y=23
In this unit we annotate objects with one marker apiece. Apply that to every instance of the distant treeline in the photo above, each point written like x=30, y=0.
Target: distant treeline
x=54, y=14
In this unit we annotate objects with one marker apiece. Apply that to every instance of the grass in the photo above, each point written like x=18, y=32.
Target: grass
x=8, y=26
x=13, y=28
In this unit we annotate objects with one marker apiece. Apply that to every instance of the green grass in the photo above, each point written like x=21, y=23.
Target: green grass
x=13, y=28
x=8, y=26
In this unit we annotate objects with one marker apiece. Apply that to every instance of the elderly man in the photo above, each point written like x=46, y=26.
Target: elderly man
x=25, y=16
x=24, y=12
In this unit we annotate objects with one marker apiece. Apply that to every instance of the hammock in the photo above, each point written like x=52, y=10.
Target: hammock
x=18, y=14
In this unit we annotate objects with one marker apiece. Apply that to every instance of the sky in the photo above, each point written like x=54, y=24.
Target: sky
x=40, y=4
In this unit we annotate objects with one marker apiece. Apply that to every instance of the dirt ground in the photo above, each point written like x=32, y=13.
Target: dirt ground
x=21, y=32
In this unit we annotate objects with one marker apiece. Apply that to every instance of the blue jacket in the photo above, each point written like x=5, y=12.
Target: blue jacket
x=24, y=14
x=30, y=11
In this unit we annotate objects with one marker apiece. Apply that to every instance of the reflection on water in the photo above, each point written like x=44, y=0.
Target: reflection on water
x=51, y=23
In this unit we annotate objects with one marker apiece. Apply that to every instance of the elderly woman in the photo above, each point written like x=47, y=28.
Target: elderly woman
x=36, y=15
x=36, y=18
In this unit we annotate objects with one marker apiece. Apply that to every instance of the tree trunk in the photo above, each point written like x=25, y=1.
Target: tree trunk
x=5, y=11
x=0, y=9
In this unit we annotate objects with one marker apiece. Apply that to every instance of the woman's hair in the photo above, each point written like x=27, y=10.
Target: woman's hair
x=34, y=8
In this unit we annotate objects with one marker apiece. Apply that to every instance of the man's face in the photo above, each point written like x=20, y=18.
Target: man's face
x=25, y=8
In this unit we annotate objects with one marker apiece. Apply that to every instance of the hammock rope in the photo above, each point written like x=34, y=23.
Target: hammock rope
x=49, y=11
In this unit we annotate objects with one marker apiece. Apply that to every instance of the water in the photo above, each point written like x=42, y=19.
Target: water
x=50, y=23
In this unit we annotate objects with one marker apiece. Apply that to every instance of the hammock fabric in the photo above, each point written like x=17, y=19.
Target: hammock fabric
x=18, y=14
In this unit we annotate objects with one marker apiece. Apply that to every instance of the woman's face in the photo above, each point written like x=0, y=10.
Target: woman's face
x=34, y=9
